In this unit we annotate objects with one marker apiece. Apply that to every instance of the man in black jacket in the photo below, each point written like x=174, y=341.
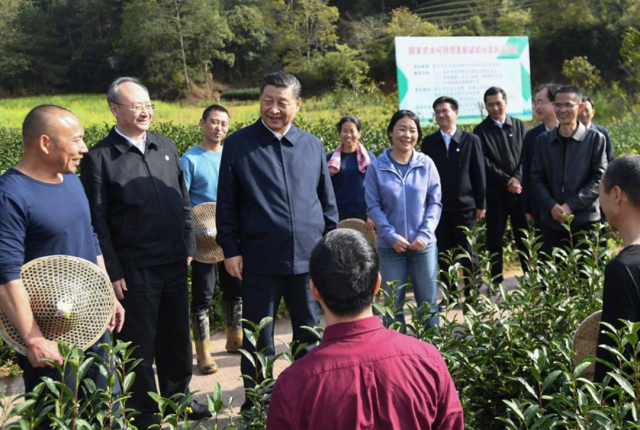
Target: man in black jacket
x=567, y=167
x=543, y=97
x=502, y=137
x=141, y=213
x=458, y=158
x=275, y=202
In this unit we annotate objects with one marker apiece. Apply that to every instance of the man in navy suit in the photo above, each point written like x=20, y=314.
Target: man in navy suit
x=275, y=202
x=543, y=97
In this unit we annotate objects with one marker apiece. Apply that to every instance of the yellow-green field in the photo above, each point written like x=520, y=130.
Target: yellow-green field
x=93, y=109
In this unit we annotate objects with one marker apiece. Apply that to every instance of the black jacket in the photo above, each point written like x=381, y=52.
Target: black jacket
x=573, y=180
x=140, y=206
x=461, y=170
x=275, y=199
x=502, y=149
x=530, y=204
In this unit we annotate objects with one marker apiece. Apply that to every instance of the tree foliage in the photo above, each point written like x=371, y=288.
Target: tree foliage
x=183, y=48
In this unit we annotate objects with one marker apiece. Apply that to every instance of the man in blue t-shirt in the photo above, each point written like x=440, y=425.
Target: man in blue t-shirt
x=44, y=211
x=201, y=165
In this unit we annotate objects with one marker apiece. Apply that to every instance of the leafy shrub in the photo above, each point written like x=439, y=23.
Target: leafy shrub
x=245, y=94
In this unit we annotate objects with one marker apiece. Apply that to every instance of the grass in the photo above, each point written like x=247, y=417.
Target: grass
x=92, y=109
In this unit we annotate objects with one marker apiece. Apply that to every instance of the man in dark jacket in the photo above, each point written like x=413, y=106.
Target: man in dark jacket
x=275, y=202
x=567, y=167
x=586, y=116
x=141, y=213
x=502, y=137
x=543, y=98
x=458, y=158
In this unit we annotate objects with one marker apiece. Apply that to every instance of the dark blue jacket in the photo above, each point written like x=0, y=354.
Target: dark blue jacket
x=275, y=199
x=607, y=137
x=530, y=204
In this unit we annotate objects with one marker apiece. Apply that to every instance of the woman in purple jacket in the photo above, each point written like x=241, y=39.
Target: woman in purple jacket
x=403, y=194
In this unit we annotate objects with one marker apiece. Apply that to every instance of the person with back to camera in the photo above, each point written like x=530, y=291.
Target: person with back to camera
x=403, y=195
x=619, y=193
x=348, y=166
x=361, y=376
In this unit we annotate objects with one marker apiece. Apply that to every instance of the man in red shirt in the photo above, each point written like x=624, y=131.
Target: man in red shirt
x=361, y=375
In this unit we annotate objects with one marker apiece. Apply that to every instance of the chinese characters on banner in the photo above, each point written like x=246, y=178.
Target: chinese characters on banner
x=463, y=68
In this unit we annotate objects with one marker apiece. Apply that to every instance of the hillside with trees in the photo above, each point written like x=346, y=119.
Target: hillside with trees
x=198, y=48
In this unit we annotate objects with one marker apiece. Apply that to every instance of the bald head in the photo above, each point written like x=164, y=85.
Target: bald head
x=44, y=120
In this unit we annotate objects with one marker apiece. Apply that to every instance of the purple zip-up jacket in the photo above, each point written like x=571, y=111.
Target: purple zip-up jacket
x=408, y=207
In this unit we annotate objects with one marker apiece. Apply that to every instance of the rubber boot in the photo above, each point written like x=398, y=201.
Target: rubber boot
x=200, y=327
x=232, y=326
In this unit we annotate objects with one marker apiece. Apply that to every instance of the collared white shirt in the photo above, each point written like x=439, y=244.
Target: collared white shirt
x=277, y=135
x=447, y=137
x=549, y=129
x=140, y=144
x=498, y=123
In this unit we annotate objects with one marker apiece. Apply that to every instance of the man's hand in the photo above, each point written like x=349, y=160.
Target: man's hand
x=39, y=348
x=529, y=217
x=119, y=287
x=368, y=227
x=417, y=245
x=566, y=209
x=117, y=318
x=401, y=245
x=557, y=212
x=234, y=266
x=514, y=186
x=189, y=260
x=480, y=213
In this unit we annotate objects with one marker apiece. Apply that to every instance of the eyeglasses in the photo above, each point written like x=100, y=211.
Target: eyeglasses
x=536, y=104
x=558, y=106
x=442, y=111
x=139, y=108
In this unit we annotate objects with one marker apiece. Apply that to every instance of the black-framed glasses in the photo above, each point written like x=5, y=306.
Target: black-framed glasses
x=139, y=108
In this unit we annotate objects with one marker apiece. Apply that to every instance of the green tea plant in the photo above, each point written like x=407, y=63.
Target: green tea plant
x=173, y=412
x=75, y=402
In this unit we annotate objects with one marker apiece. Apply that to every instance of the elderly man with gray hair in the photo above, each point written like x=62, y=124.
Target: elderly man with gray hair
x=141, y=212
x=275, y=202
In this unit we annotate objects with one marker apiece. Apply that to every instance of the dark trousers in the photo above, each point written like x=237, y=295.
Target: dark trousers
x=203, y=285
x=552, y=238
x=502, y=205
x=157, y=322
x=261, y=296
x=32, y=376
x=450, y=236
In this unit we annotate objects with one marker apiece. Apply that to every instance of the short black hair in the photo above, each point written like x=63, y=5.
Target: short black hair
x=570, y=89
x=551, y=90
x=38, y=122
x=625, y=173
x=402, y=114
x=349, y=118
x=282, y=80
x=212, y=108
x=494, y=91
x=590, y=100
x=446, y=99
x=344, y=267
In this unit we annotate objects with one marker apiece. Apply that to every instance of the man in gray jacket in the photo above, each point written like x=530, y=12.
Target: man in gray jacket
x=568, y=164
